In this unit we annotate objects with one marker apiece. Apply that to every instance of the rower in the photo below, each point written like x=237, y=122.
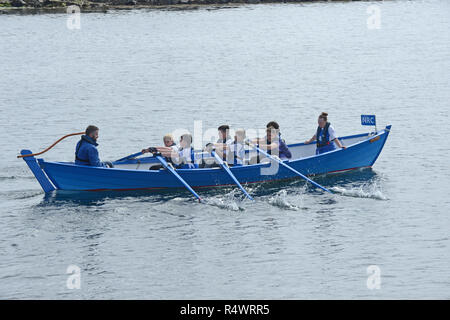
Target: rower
x=185, y=157
x=236, y=153
x=86, y=152
x=325, y=136
x=273, y=142
x=224, y=141
x=169, y=146
x=168, y=142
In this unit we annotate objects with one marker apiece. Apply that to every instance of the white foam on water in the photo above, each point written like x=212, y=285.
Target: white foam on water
x=227, y=201
x=371, y=191
x=178, y=199
x=120, y=210
x=280, y=200
x=223, y=204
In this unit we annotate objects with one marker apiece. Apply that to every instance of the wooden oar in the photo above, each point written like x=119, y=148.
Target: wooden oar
x=288, y=167
x=172, y=170
x=227, y=170
x=134, y=155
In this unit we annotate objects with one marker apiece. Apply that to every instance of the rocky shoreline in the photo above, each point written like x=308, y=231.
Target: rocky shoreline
x=37, y=6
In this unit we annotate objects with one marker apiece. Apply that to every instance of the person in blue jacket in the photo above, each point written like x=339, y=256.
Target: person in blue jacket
x=86, y=152
x=273, y=142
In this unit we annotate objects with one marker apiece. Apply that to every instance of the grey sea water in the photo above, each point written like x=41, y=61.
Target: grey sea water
x=139, y=74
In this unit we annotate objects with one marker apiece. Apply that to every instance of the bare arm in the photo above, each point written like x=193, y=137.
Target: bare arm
x=160, y=149
x=270, y=146
x=220, y=149
x=311, y=140
x=339, y=144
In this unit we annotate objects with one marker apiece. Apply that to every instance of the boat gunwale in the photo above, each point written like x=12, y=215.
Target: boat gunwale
x=289, y=145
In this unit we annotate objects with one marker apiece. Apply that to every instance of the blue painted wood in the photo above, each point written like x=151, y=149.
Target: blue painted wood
x=32, y=163
x=68, y=176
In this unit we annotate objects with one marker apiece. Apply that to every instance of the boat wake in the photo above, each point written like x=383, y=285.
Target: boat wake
x=227, y=201
x=223, y=204
x=280, y=200
x=371, y=191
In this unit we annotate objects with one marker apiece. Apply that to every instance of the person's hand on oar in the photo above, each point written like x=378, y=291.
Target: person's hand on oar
x=150, y=150
x=165, y=151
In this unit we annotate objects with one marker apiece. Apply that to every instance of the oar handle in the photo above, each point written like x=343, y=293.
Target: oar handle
x=57, y=141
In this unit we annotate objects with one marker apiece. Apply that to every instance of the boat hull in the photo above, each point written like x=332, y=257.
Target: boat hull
x=68, y=176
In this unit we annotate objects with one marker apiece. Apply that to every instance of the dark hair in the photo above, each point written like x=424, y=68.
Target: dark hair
x=90, y=129
x=187, y=137
x=324, y=116
x=224, y=128
x=273, y=124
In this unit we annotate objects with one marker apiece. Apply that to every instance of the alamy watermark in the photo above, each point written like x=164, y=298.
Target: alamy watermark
x=374, y=278
x=252, y=137
x=74, y=279
x=73, y=21
x=374, y=19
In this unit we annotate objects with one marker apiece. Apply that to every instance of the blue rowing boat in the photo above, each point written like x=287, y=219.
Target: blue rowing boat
x=362, y=150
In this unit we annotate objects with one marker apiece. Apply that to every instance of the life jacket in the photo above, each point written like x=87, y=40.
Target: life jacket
x=235, y=155
x=192, y=156
x=322, y=136
x=185, y=165
x=224, y=153
x=269, y=151
x=258, y=158
x=169, y=159
x=78, y=149
x=83, y=139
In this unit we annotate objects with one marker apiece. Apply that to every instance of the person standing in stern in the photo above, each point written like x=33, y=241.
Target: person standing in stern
x=325, y=136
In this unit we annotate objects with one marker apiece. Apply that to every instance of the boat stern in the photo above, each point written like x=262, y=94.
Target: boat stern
x=39, y=174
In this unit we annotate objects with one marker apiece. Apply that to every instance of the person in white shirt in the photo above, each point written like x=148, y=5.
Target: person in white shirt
x=236, y=150
x=223, y=142
x=169, y=145
x=325, y=136
x=184, y=157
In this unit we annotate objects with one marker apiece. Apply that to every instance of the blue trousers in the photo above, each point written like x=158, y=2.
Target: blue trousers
x=327, y=148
